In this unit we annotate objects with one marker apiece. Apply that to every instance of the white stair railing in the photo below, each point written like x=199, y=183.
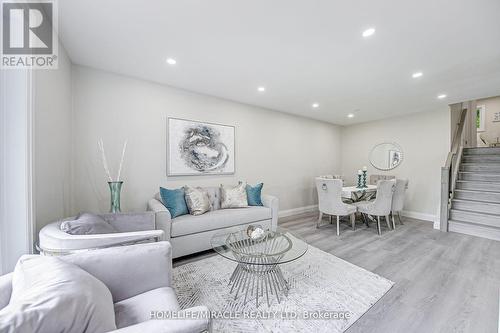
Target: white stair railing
x=449, y=172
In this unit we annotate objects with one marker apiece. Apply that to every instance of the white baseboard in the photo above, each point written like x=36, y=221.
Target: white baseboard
x=419, y=216
x=313, y=208
x=300, y=210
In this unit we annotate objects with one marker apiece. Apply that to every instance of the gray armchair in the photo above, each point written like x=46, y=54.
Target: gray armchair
x=132, y=227
x=136, y=292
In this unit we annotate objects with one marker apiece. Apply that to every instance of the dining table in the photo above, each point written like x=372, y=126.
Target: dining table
x=351, y=194
x=356, y=194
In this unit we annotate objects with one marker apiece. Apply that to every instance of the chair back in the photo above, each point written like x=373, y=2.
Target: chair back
x=383, y=203
x=339, y=177
x=398, y=198
x=375, y=178
x=152, y=263
x=333, y=177
x=329, y=195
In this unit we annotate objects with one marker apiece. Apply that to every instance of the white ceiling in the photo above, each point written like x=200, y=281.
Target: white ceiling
x=301, y=51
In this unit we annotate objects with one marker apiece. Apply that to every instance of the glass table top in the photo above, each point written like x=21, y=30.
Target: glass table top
x=273, y=247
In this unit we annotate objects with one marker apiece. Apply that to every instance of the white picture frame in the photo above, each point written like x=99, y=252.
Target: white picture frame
x=481, y=118
x=496, y=117
x=394, y=158
x=199, y=148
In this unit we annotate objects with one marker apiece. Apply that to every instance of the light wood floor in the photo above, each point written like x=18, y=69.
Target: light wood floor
x=444, y=282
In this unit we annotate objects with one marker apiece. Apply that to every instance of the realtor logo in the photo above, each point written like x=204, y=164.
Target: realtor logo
x=29, y=36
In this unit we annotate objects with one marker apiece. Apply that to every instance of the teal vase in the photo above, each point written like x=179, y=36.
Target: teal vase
x=115, y=189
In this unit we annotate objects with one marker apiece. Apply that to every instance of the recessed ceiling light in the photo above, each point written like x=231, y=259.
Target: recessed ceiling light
x=171, y=61
x=368, y=32
x=350, y=115
x=315, y=105
x=442, y=96
x=261, y=89
x=417, y=74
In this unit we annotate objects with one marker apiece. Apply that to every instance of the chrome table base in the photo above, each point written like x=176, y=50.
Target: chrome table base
x=258, y=280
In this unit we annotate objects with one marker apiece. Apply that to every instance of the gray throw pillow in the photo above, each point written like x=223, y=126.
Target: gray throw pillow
x=197, y=200
x=233, y=197
x=87, y=224
x=50, y=295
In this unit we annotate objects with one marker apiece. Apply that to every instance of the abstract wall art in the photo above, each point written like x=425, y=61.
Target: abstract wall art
x=199, y=148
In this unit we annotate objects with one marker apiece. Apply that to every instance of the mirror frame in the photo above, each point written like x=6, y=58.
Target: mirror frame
x=385, y=143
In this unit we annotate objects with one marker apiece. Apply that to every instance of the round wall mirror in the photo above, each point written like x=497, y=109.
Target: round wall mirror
x=386, y=156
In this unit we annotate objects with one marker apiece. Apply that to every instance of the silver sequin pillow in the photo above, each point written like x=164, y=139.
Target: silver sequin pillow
x=233, y=197
x=197, y=200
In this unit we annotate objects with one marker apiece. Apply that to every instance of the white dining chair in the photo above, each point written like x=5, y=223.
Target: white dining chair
x=374, y=179
x=330, y=201
x=381, y=206
x=398, y=200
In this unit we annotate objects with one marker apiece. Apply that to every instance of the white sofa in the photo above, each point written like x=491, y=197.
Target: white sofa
x=136, y=292
x=190, y=234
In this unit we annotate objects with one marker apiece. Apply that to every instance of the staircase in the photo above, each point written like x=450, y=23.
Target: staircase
x=475, y=206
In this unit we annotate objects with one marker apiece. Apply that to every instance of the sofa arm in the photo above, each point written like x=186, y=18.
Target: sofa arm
x=273, y=203
x=197, y=320
x=163, y=219
x=55, y=241
x=128, y=270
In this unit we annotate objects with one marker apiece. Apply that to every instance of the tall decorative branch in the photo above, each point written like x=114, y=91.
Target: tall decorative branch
x=100, y=144
x=121, y=160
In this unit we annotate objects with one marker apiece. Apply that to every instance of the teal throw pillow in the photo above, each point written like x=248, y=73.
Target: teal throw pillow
x=174, y=201
x=254, y=194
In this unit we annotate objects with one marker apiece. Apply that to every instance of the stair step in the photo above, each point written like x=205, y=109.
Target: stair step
x=481, y=158
x=475, y=217
x=474, y=229
x=480, y=176
x=476, y=206
x=481, y=151
x=480, y=167
x=478, y=195
x=478, y=186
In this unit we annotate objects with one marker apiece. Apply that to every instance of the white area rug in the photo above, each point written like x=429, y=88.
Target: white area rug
x=319, y=283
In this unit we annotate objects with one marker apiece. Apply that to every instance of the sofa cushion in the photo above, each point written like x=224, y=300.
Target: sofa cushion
x=50, y=295
x=87, y=224
x=197, y=200
x=138, y=309
x=174, y=201
x=254, y=194
x=233, y=197
x=214, y=195
x=218, y=219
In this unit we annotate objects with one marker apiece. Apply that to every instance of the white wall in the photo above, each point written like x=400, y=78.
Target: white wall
x=16, y=221
x=283, y=151
x=425, y=140
x=52, y=145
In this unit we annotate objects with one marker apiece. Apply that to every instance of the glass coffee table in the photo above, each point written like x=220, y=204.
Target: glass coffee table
x=258, y=272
